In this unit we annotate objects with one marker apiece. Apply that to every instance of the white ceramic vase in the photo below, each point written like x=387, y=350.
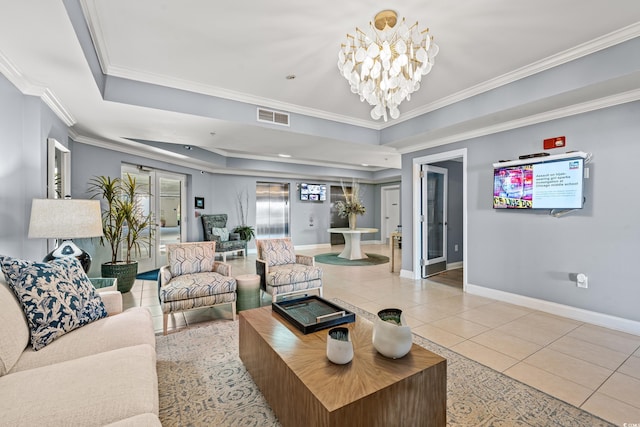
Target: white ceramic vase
x=353, y=221
x=391, y=335
x=339, y=346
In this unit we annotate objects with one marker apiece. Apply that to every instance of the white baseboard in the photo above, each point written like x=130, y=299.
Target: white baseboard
x=310, y=247
x=455, y=265
x=595, y=318
x=407, y=274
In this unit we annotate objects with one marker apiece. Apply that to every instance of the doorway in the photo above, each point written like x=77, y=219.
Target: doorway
x=165, y=200
x=433, y=211
x=390, y=221
x=272, y=210
x=336, y=194
x=460, y=233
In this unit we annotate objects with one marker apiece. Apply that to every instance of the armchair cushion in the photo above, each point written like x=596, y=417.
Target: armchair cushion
x=188, y=259
x=292, y=273
x=277, y=252
x=189, y=286
x=221, y=232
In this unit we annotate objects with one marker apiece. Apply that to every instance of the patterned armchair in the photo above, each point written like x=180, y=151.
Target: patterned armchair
x=283, y=272
x=193, y=279
x=215, y=230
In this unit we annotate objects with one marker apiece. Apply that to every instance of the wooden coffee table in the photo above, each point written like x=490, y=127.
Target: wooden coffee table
x=305, y=389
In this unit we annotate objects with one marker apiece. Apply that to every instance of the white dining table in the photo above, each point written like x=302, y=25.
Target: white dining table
x=352, y=249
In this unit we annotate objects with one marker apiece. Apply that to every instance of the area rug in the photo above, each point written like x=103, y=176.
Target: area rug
x=148, y=275
x=332, y=258
x=202, y=382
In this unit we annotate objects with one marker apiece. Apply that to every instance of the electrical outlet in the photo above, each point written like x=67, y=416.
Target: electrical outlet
x=455, y=248
x=582, y=281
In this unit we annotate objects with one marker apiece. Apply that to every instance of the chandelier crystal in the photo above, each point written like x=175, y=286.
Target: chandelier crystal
x=385, y=65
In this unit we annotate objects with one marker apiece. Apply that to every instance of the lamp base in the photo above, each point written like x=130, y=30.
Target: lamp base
x=68, y=248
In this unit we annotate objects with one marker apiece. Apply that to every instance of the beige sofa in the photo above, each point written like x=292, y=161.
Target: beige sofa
x=103, y=373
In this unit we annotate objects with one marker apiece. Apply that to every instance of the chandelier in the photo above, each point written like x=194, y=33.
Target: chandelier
x=385, y=65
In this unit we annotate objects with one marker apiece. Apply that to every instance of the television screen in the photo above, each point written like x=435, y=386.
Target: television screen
x=313, y=192
x=546, y=185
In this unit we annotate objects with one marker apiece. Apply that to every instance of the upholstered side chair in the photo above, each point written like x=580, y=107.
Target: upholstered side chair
x=194, y=279
x=282, y=272
x=215, y=230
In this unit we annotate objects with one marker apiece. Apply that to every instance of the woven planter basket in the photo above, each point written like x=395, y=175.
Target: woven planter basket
x=125, y=273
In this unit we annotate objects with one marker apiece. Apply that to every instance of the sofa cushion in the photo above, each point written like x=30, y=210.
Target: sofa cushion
x=132, y=327
x=143, y=420
x=90, y=391
x=57, y=297
x=222, y=233
x=14, y=333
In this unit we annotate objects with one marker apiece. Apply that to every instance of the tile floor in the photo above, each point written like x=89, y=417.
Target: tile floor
x=591, y=367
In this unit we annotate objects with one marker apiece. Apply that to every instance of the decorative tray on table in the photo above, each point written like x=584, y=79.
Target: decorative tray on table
x=312, y=313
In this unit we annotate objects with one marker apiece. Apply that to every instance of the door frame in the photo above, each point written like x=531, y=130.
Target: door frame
x=416, y=203
x=384, y=233
x=157, y=175
x=154, y=260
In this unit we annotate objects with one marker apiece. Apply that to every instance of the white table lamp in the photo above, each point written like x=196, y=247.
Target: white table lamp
x=66, y=219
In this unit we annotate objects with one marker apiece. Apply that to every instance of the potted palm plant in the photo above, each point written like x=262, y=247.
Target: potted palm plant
x=124, y=224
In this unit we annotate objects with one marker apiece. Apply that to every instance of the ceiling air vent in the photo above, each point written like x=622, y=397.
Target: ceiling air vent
x=275, y=117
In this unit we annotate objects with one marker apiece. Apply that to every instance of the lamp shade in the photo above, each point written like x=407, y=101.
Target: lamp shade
x=65, y=219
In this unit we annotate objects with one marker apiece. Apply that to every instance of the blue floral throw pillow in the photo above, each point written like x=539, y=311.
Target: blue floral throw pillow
x=57, y=297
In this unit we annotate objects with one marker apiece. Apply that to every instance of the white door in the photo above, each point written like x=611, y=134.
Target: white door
x=390, y=210
x=165, y=200
x=434, y=219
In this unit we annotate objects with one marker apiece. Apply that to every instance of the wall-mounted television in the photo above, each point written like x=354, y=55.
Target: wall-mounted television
x=552, y=182
x=313, y=192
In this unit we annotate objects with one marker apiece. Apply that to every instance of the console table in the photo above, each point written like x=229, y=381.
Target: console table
x=352, y=248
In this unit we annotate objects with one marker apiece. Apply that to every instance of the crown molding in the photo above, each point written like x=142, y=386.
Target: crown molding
x=95, y=30
x=616, y=37
x=161, y=155
x=584, y=107
x=190, y=86
x=26, y=87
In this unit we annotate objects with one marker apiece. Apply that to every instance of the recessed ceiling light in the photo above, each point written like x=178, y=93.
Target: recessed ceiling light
x=286, y=156
x=364, y=164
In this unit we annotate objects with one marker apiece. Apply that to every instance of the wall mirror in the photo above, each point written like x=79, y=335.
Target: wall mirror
x=58, y=170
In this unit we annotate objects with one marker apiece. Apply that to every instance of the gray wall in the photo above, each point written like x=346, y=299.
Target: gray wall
x=220, y=193
x=25, y=124
x=533, y=254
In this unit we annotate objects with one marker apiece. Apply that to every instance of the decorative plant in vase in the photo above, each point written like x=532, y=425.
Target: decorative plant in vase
x=124, y=223
x=352, y=204
x=246, y=232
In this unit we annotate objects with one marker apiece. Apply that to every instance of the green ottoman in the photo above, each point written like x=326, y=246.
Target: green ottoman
x=248, y=289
